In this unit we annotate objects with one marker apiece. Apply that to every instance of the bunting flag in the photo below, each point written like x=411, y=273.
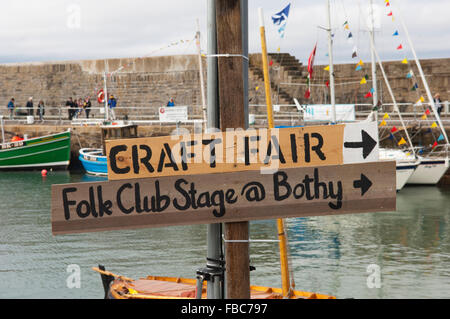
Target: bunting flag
x=307, y=94
x=383, y=123
x=257, y=88
x=327, y=68
x=372, y=90
x=386, y=116
x=402, y=142
x=368, y=95
x=350, y=35
x=410, y=74
x=358, y=68
x=327, y=83
x=354, y=53
x=387, y=3
x=405, y=61
x=394, y=129
x=395, y=33
x=435, y=144
x=391, y=137
x=434, y=125
x=415, y=87
x=427, y=112
x=363, y=81
x=400, y=47
x=424, y=117
x=440, y=138
x=390, y=14
x=360, y=63
x=421, y=98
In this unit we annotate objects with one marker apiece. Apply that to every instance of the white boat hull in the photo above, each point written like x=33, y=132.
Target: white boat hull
x=404, y=172
x=429, y=171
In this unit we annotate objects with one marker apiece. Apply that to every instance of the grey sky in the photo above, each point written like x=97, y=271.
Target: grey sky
x=47, y=30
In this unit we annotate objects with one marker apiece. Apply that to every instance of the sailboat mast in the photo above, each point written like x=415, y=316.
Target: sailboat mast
x=425, y=83
x=200, y=67
x=374, y=63
x=330, y=56
x=392, y=94
x=105, y=90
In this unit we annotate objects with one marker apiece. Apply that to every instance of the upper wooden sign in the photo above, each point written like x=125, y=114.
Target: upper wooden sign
x=223, y=197
x=239, y=150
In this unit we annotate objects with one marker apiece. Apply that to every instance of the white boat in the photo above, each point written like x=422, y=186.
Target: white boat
x=429, y=171
x=406, y=165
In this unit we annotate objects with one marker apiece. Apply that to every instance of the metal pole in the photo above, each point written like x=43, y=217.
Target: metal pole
x=374, y=65
x=330, y=55
x=200, y=66
x=214, y=231
x=105, y=90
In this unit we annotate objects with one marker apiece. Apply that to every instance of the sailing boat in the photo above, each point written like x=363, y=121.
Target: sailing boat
x=429, y=169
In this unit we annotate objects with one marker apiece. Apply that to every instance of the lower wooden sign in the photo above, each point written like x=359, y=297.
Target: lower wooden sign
x=223, y=197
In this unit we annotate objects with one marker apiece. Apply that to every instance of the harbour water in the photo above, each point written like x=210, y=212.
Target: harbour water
x=336, y=255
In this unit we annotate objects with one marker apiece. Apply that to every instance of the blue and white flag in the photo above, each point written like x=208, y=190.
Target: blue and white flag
x=281, y=16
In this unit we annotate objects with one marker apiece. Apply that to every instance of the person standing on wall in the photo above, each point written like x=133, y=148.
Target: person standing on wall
x=112, y=104
x=171, y=102
x=30, y=106
x=87, y=106
x=438, y=103
x=11, y=108
x=41, y=110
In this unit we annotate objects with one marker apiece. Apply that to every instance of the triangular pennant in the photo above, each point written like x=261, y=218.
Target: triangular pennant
x=358, y=68
x=372, y=90
x=434, y=125
x=394, y=129
x=383, y=123
x=400, y=47
x=395, y=34
x=368, y=95
x=350, y=35
x=427, y=112
x=440, y=138
x=410, y=74
x=391, y=137
x=307, y=94
x=435, y=144
x=363, y=81
x=402, y=142
x=327, y=68
x=390, y=14
x=361, y=63
x=405, y=61
x=386, y=116
x=424, y=117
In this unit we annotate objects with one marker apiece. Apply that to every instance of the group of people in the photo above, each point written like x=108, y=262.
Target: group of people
x=76, y=107
x=30, y=108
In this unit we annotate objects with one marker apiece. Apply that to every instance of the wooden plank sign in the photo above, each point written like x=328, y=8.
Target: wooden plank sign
x=242, y=151
x=223, y=197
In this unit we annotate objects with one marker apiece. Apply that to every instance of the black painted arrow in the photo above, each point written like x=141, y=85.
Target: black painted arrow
x=367, y=144
x=364, y=183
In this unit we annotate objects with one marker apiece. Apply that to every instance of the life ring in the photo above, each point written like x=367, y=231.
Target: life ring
x=101, y=96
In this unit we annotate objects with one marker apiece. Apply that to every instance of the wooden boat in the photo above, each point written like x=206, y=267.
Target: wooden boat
x=50, y=151
x=94, y=159
x=156, y=287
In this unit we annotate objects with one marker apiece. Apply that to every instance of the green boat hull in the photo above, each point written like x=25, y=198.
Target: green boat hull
x=52, y=151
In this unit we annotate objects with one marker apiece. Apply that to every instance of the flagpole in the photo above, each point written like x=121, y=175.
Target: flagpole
x=285, y=280
x=330, y=55
x=105, y=89
x=200, y=68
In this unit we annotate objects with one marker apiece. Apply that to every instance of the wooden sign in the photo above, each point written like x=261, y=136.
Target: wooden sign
x=223, y=197
x=242, y=151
